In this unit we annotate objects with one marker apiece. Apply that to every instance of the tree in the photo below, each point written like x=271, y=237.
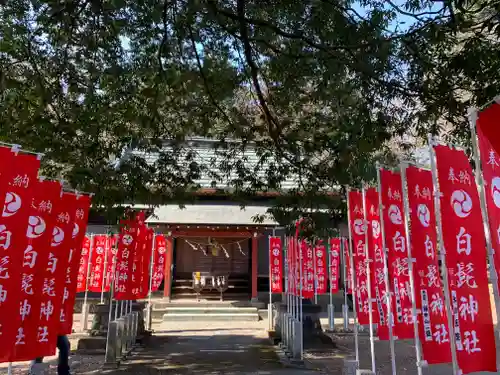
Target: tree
x=319, y=87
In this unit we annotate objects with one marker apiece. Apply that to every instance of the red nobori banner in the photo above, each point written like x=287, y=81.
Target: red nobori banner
x=491, y=174
x=321, y=265
x=17, y=188
x=358, y=228
x=377, y=265
x=348, y=276
x=291, y=266
x=41, y=225
x=334, y=263
x=395, y=235
x=275, y=264
x=306, y=252
x=54, y=276
x=100, y=248
x=464, y=240
x=159, y=258
x=429, y=296
x=81, y=279
x=146, y=264
x=139, y=254
x=111, y=262
x=80, y=218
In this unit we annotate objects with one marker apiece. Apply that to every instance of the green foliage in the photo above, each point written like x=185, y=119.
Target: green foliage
x=320, y=87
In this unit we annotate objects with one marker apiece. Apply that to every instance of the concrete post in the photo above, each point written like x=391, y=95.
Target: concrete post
x=331, y=317
x=110, y=359
x=85, y=317
x=136, y=327
x=125, y=334
x=350, y=367
x=296, y=337
x=364, y=372
x=120, y=342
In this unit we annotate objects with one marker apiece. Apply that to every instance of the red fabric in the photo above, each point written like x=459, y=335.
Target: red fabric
x=80, y=219
x=99, y=248
x=464, y=240
x=54, y=276
x=347, y=261
x=377, y=266
x=294, y=272
x=488, y=125
x=41, y=224
x=307, y=269
x=111, y=262
x=358, y=228
x=429, y=294
x=146, y=264
x=83, y=269
x=17, y=187
x=124, y=259
x=159, y=258
x=321, y=268
x=491, y=175
x=334, y=264
x=395, y=237
x=275, y=264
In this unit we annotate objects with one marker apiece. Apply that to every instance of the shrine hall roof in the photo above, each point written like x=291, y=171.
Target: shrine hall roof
x=210, y=214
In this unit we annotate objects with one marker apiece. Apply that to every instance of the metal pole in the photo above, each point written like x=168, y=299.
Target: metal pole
x=484, y=209
x=442, y=252
x=315, y=276
x=406, y=207
x=331, y=316
x=355, y=313
x=9, y=370
x=270, y=304
x=151, y=268
x=345, y=310
x=388, y=295
x=370, y=302
x=105, y=267
x=302, y=277
x=87, y=279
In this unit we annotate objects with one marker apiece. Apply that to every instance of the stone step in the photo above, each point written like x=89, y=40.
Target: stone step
x=209, y=310
x=211, y=317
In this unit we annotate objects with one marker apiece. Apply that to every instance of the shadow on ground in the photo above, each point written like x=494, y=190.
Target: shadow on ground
x=207, y=354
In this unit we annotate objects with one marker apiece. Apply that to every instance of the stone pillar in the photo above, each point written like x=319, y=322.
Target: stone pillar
x=255, y=264
x=110, y=360
x=169, y=257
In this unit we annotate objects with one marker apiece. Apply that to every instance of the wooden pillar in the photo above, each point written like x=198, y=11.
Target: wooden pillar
x=255, y=263
x=169, y=249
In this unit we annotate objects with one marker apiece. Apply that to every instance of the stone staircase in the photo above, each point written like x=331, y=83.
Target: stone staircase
x=239, y=290
x=205, y=311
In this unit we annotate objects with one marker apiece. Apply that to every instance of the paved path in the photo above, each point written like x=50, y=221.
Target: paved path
x=207, y=348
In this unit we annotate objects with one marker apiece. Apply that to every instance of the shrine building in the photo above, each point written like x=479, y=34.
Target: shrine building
x=214, y=235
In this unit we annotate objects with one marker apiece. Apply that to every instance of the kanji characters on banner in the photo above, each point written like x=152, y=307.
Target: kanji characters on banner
x=395, y=235
x=100, y=248
x=464, y=240
x=159, y=258
x=83, y=269
x=429, y=296
x=491, y=174
x=111, y=262
x=306, y=252
x=335, y=249
x=321, y=265
x=377, y=266
x=275, y=264
x=39, y=233
x=54, y=293
x=146, y=264
x=358, y=228
x=17, y=187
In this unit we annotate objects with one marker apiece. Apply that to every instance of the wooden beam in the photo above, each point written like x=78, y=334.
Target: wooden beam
x=212, y=233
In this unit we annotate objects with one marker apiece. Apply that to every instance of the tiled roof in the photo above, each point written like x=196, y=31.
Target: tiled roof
x=205, y=153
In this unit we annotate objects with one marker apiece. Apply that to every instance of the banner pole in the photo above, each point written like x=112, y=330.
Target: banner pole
x=353, y=284
x=473, y=115
x=345, y=309
x=285, y=288
x=270, y=304
x=331, y=315
x=151, y=268
x=301, y=316
x=388, y=295
x=442, y=252
x=368, y=282
x=315, y=276
x=84, y=307
x=406, y=209
x=105, y=267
